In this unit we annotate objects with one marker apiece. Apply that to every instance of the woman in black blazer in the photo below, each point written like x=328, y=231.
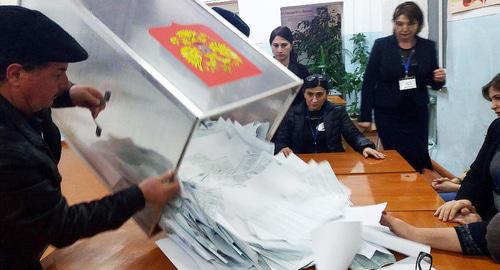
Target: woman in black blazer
x=400, y=68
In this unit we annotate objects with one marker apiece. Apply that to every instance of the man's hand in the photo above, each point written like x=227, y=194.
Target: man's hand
x=373, y=153
x=87, y=97
x=161, y=189
x=286, y=151
x=449, y=210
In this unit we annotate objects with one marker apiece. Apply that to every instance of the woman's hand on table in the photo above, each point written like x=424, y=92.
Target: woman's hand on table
x=367, y=152
x=444, y=184
x=449, y=210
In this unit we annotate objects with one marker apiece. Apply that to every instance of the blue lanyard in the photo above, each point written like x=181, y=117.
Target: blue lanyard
x=407, y=64
x=314, y=133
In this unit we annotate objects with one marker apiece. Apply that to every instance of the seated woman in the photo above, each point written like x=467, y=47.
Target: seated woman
x=480, y=189
x=317, y=126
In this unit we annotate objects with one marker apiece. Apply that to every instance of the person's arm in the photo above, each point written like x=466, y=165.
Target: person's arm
x=284, y=134
x=350, y=133
x=81, y=96
x=32, y=206
x=369, y=82
x=440, y=238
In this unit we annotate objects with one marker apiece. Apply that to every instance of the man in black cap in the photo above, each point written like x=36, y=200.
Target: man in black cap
x=34, y=56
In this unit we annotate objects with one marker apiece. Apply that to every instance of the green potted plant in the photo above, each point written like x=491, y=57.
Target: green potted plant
x=319, y=47
x=352, y=82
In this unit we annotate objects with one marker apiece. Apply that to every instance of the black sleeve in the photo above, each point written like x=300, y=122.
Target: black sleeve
x=434, y=57
x=474, y=187
x=284, y=133
x=63, y=100
x=32, y=207
x=369, y=83
x=472, y=238
x=351, y=134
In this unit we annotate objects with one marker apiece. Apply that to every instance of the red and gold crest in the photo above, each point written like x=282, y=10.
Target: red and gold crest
x=205, y=53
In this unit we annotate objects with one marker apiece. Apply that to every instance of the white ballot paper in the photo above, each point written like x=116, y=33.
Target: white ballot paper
x=242, y=208
x=335, y=244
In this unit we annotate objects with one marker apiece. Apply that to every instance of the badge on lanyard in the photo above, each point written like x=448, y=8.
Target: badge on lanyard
x=408, y=82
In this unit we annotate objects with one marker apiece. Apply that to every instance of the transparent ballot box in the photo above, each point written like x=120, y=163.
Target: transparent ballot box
x=170, y=66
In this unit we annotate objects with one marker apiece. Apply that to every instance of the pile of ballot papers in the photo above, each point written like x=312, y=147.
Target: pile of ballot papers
x=243, y=208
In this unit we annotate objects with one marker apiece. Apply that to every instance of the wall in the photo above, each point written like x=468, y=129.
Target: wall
x=373, y=18
x=463, y=115
x=8, y=2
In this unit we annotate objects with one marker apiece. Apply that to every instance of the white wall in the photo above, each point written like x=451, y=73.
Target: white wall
x=8, y=2
x=463, y=114
x=359, y=15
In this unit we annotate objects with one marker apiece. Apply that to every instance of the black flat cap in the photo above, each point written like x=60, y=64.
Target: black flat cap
x=28, y=35
x=234, y=19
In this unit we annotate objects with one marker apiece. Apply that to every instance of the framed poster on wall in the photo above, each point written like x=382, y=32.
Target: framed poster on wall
x=293, y=15
x=466, y=5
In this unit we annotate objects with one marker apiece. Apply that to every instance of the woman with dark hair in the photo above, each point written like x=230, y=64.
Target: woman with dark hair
x=317, y=126
x=281, y=41
x=400, y=68
x=477, y=204
x=480, y=189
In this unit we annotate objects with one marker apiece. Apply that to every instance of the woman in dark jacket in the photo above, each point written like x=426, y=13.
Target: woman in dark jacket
x=281, y=41
x=317, y=126
x=400, y=68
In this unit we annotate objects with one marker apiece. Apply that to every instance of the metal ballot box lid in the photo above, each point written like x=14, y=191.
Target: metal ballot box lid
x=169, y=66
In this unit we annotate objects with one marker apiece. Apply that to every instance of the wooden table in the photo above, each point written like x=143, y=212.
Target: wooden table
x=402, y=191
x=355, y=163
x=129, y=248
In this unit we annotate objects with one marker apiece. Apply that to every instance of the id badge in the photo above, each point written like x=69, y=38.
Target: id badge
x=407, y=83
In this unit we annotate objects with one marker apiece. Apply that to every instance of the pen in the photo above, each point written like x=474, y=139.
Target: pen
x=98, y=129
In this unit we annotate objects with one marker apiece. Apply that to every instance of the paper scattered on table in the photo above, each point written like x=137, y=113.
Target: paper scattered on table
x=243, y=208
x=335, y=244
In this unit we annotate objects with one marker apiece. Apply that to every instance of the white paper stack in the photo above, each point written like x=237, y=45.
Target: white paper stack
x=243, y=208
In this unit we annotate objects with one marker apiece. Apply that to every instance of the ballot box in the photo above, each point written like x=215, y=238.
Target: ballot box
x=170, y=67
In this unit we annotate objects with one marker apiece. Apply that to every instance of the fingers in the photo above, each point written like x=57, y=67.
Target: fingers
x=439, y=75
x=440, y=209
x=372, y=152
x=167, y=177
x=379, y=155
x=449, y=210
x=286, y=151
x=440, y=180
